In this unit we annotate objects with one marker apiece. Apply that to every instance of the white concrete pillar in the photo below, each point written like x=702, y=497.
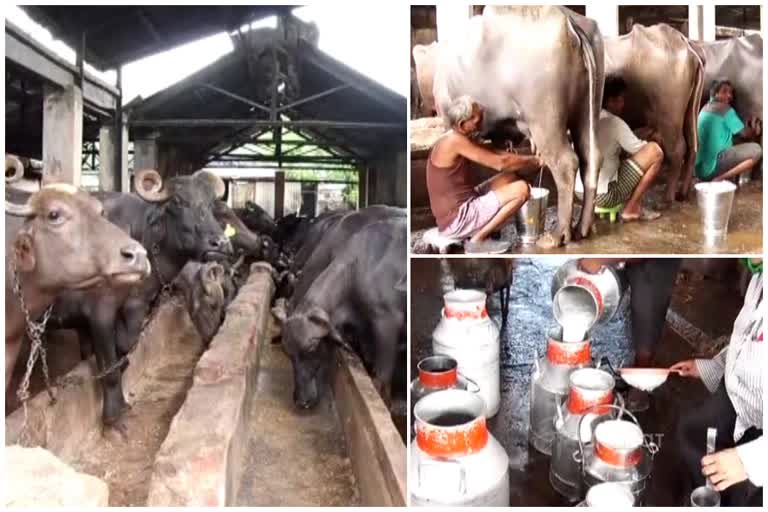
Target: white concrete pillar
x=107, y=157
x=62, y=134
x=145, y=154
x=695, y=22
x=606, y=15
x=451, y=17
x=122, y=168
x=708, y=22
x=113, y=167
x=701, y=22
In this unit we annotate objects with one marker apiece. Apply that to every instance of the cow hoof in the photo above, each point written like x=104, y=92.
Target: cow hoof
x=547, y=241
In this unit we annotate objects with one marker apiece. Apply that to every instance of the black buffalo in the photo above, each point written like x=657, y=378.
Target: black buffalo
x=174, y=222
x=365, y=285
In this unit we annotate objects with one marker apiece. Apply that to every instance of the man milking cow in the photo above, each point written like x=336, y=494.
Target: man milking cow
x=623, y=181
x=463, y=210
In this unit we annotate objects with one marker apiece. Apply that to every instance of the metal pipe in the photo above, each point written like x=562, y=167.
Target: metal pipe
x=235, y=96
x=314, y=97
x=212, y=123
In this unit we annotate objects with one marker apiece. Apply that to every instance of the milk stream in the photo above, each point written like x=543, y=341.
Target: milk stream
x=575, y=326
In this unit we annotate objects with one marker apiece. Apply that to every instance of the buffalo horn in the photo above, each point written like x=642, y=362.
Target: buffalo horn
x=149, y=186
x=12, y=162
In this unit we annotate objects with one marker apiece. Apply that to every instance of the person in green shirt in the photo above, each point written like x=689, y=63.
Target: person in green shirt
x=718, y=157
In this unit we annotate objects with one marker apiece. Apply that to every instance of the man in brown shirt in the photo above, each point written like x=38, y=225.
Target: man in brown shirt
x=462, y=210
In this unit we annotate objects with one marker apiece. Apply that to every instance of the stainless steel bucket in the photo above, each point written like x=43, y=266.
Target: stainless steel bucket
x=715, y=202
x=705, y=497
x=530, y=217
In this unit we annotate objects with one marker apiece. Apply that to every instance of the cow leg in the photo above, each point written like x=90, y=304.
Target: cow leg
x=504, y=300
x=564, y=163
x=675, y=152
x=134, y=311
x=102, y=327
x=590, y=161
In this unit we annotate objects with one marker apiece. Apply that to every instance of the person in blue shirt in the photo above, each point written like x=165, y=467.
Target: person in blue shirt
x=718, y=158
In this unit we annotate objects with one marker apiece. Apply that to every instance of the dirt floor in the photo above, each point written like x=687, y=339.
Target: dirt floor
x=294, y=458
x=125, y=463
x=678, y=231
x=704, y=304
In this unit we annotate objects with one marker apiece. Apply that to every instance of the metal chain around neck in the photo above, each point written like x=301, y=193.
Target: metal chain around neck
x=35, y=331
x=165, y=286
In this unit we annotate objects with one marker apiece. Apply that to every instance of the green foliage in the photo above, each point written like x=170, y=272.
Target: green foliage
x=322, y=175
x=350, y=194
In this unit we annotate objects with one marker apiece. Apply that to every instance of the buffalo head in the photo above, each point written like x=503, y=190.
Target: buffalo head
x=184, y=217
x=66, y=243
x=308, y=339
x=202, y=285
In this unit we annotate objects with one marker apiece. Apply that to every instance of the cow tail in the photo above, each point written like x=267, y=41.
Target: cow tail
x=595, y=99
x=691, y=131
x=697, y=91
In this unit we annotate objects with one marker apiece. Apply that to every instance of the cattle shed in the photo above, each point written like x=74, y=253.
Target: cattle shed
x=275, y=116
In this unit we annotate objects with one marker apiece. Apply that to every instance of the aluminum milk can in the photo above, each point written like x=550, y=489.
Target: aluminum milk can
x=617, y=451
x=549, y=386
x=577, y=293
x=455, y=461
x=467, y=334
x=591, y=391
x=438, y=373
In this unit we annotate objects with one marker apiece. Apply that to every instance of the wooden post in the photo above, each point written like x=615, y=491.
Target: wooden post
x=62, y=134
x=362, y=188
x=279, y=193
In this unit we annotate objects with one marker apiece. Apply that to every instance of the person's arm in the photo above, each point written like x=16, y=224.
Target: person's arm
x=736, y=126
x=626, y=139
x=751, y=455
x=712, y=370
x=499, y=161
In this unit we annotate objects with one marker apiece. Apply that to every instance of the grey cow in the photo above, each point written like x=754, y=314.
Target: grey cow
x=541, y=67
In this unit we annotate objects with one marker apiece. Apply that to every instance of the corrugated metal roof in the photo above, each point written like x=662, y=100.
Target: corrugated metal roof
x=117, y=34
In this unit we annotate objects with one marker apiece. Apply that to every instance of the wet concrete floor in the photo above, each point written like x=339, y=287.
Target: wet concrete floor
x=295, y=458
x=530, y=317
x=677, y=231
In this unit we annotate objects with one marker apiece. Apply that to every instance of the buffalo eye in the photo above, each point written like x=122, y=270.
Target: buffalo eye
x=55, y=217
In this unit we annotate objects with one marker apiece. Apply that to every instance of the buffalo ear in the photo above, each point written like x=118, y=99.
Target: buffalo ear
x=319, y=317
x=25, y=252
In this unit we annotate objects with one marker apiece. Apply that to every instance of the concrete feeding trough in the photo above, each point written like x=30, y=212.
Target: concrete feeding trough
x=194, y=437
